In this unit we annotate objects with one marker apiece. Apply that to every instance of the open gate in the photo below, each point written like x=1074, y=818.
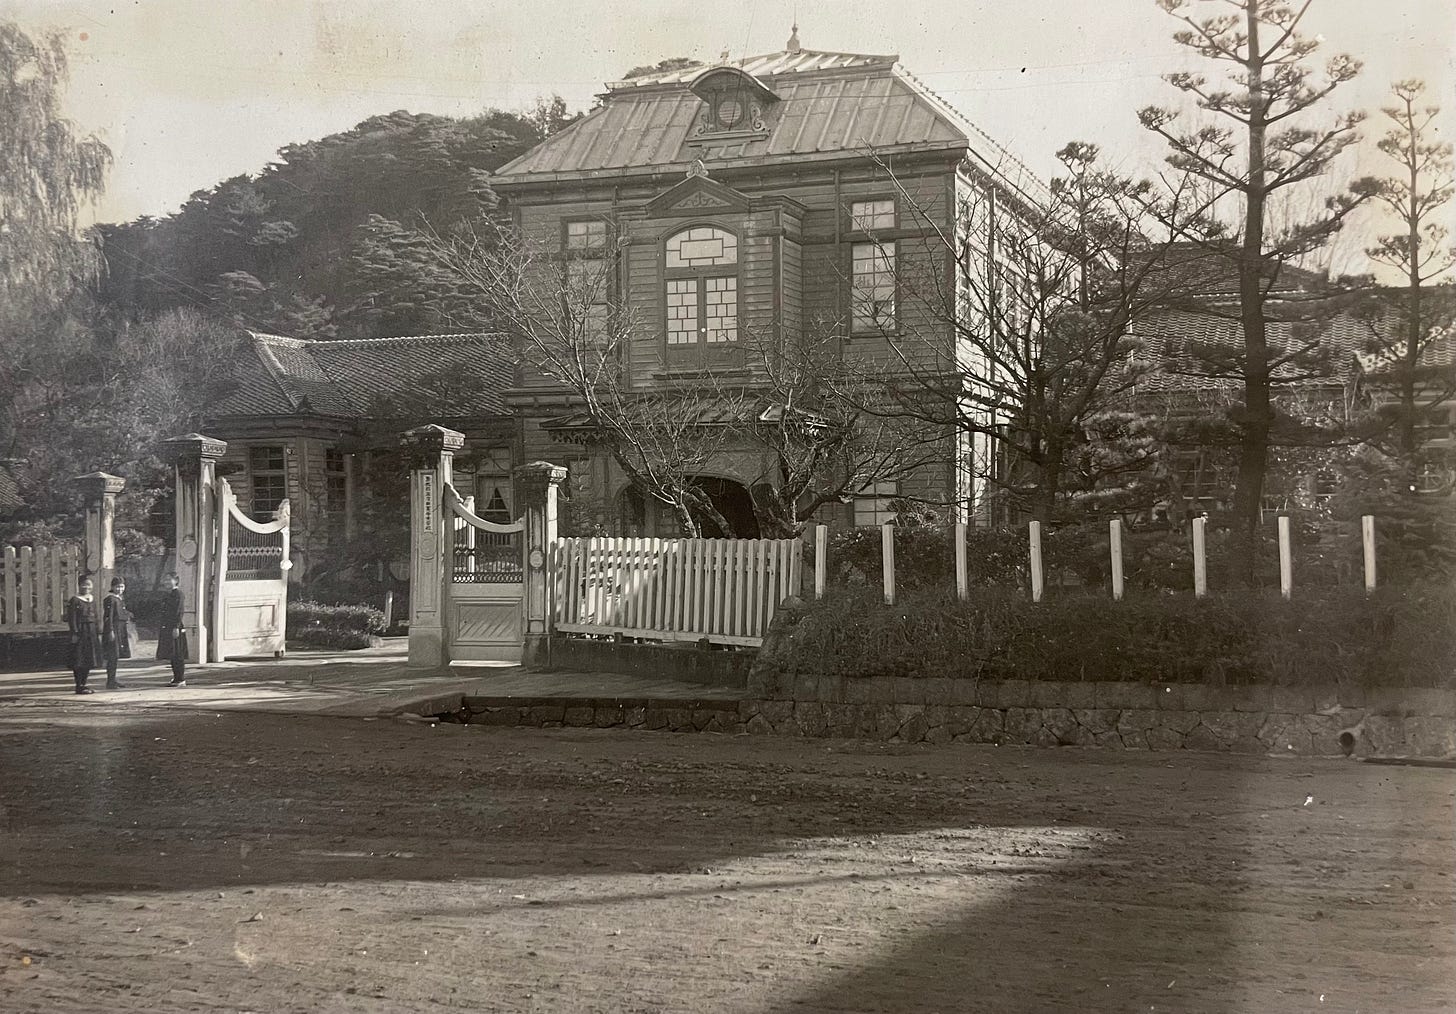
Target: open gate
x=250, y=581
x=484, y=584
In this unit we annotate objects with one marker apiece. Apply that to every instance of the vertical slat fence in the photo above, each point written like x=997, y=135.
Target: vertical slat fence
x=723, y=590
x=35, y=584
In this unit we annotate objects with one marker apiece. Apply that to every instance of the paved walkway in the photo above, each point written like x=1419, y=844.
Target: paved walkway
x=369, y=682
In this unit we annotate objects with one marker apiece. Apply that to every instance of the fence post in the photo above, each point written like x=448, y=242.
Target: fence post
x=1036, y=574
x=1286, y=561
x=887, y=554
x=539, y=483
x=194, y=460
x=821, y=559
x=1367, y=538
x=1200, y=558
x=431, y=450
x=1114, y=534
x=963, y=580
x=99, y=546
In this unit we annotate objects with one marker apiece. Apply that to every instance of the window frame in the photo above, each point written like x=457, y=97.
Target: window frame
x=878, y=495
x=255, y=473
x=336, y=479
x=701, y=347
x=853, y=228
x=595, y=253
x=872, y=327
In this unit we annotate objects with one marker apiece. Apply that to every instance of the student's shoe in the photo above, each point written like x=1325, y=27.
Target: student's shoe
x=177, y=683
x=116, y=686
x=84, y=690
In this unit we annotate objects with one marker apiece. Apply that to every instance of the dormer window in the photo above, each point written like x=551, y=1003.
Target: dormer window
x=733, y=102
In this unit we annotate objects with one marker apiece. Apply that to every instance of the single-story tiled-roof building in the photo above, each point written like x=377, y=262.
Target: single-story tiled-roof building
x=308, y=420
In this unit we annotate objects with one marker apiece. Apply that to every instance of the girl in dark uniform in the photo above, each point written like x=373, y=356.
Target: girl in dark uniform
x=85, y=633
x=171, y=635
x=115, y=631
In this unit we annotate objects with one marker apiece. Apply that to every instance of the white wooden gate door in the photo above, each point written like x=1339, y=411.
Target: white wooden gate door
x=483, y=589
x=250, y=582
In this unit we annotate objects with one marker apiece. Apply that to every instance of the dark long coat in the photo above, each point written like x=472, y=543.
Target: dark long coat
x=85, y=634
x=169, y=627
x=115, y=628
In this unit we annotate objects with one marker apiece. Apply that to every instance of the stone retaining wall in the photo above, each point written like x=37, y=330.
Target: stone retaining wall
x=1255, y=720
x=1327, y=721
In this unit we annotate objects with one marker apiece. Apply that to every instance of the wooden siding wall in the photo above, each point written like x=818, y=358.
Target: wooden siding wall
x=795, y=275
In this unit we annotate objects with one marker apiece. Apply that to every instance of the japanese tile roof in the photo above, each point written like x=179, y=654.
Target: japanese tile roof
x=458, y=375
x=831, y=105
x=1384, y=342
x=1166, y=336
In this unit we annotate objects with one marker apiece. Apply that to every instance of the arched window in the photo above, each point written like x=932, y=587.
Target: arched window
x=702, y=287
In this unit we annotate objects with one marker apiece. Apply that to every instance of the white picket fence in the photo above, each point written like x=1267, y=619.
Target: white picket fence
x=35, y=583
x=725, y=591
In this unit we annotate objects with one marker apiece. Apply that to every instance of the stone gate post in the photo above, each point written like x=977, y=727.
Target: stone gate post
x=194, y=461
x=431, y=452
x=99, y=543
x=538, y=485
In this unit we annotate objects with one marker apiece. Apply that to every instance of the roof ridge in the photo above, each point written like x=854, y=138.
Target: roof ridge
x=949, y=109
x=445, y=336
x=275, y=369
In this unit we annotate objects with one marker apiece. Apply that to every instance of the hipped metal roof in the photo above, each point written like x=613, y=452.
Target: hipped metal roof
x=830, y=104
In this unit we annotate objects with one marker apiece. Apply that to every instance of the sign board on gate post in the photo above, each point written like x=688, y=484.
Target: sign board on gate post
x=431, y=450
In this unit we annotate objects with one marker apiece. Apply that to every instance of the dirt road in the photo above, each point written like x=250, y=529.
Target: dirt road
x=173, y=861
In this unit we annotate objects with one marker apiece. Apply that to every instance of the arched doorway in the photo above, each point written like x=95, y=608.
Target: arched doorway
x=637, y=515
x=731, y=500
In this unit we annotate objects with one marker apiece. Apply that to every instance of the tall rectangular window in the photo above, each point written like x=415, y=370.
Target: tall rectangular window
x=268, y=472
x=682, y=311
x=587, y=280
x=702, y=296
x=872, y=286
x=336, y=482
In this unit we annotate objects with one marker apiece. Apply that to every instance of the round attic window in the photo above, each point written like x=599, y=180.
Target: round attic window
x=730, y=113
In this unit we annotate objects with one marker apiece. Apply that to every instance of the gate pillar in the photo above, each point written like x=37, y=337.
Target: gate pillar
x=538, y=485
x=194, y=461
x=431, y=452
x=99, y=546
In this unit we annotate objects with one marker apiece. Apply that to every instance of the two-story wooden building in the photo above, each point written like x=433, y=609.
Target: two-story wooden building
x=778, y=199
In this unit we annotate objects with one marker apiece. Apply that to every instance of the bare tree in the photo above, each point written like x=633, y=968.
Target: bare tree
x=1254, y=160
x=1421, y=253
x=572, y=332
x=1024, y=349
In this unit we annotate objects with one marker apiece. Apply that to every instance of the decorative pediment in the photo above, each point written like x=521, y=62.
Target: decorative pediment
x=697, y=195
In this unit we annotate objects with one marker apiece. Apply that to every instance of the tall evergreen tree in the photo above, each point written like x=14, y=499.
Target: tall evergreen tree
x=1420, y=251
x=1250, y=163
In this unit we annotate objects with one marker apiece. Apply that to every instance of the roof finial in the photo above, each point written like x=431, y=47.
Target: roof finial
x=697, y=170
x=793, y=43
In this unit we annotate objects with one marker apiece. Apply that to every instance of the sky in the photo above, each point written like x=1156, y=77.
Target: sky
x=190, y=92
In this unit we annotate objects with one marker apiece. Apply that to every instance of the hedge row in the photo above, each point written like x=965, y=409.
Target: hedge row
x=333, y=626
x=1400, y=636
x=1328, y=553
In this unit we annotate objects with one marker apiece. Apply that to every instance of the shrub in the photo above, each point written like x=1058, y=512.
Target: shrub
x=333, y=626
x=925, y=557
x=1398, y=635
